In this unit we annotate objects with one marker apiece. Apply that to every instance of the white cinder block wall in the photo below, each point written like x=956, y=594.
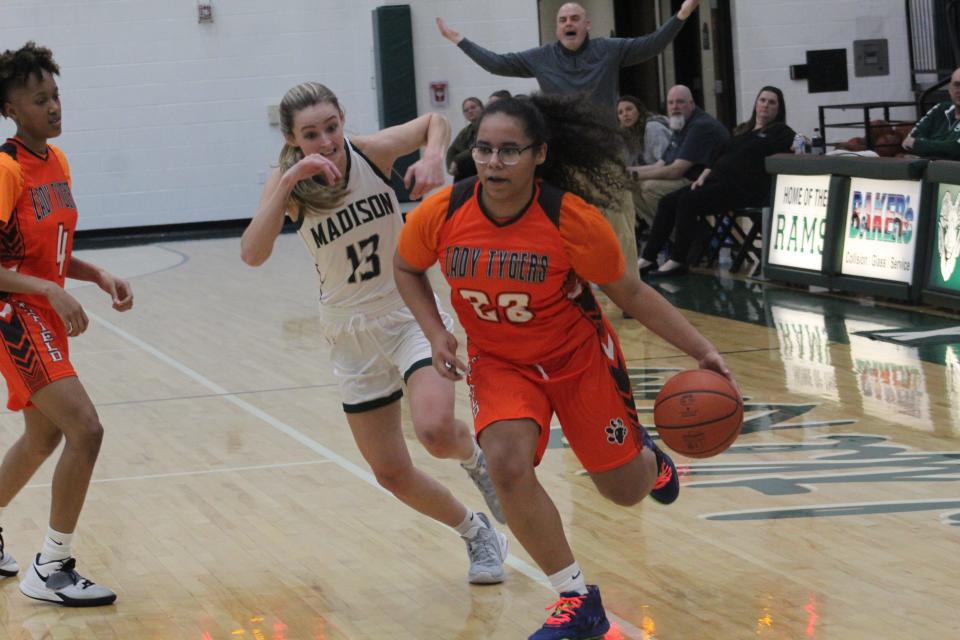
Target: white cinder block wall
x=165, y=119
x=771, y=35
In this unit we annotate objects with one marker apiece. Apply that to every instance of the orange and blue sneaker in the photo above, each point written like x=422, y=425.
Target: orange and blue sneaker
x=667, y=486
x=575, y=617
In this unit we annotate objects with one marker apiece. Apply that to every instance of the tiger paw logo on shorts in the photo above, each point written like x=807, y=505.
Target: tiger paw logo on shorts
x=616, y=432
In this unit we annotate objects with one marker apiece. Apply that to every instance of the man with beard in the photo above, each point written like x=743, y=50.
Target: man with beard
x=696, y=137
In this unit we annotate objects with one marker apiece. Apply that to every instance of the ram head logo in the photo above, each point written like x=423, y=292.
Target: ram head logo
x=948, y=235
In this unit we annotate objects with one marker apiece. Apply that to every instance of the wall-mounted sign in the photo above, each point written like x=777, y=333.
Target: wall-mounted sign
x=438, y=93
x=879, y=239
x=799, y=221
x=944, y=271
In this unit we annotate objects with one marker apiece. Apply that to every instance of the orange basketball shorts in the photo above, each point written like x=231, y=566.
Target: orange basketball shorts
x=588, y=390
x=34, y=351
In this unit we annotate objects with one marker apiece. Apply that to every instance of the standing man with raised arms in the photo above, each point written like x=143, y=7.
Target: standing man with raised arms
x=576, y=63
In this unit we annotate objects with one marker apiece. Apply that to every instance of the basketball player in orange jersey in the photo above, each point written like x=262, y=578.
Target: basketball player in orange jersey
x=37, y=220
x=519, y=254
x=337, y=192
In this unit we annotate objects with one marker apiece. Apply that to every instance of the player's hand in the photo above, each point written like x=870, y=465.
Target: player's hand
x=688, y=7
x=448, y=33
x=445, y=359
x=424, y=176
x=908, y=143
x=714, y=362
x=73, y=316
x=120, y=291
x=313, y=165
x=700, y=180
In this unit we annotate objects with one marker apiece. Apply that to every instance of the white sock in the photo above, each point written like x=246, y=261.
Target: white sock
x=470, y=526
x=474, y=459
x=56, y=546
x=643, y=262
x=569, y=579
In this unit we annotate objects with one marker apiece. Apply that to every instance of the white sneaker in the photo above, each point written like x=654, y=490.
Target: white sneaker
x=57, y=581
x=8, y=566
x=487, y=551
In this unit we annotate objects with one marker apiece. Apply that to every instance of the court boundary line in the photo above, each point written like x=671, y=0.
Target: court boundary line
x=199, y=396
x=179, y=474
x=515, y=563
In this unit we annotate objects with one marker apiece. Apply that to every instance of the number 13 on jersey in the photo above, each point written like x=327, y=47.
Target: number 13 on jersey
x=511, y=307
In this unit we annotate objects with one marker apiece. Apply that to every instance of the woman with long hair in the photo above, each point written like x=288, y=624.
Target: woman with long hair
x=519, y=247
x=336, y=191
x=647, y=134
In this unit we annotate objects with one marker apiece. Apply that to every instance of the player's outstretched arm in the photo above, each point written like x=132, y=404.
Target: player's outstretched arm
x=642, y=302
x=430, y=131
x=119, y=290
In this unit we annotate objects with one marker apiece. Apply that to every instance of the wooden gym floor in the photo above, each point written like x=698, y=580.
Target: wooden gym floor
x=230, y=502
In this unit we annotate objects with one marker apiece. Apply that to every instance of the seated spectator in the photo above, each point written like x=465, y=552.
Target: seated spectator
x=937, y=135
x=497, y=95
x=737, y=179
x=694, y=142
x=647, y=134
x=459, y=161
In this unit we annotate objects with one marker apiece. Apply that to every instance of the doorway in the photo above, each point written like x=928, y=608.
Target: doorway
x=702, y=58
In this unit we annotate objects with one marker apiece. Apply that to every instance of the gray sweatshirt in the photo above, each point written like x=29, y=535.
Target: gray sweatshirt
x=593, y=69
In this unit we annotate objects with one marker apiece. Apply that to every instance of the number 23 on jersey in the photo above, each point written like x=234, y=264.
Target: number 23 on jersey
x=510, y=307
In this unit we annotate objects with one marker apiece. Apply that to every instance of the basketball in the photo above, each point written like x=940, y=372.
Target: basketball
x=698, y=413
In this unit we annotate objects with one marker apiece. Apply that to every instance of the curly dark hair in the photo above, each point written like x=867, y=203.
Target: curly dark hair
x=584, y=149
x=16, y=67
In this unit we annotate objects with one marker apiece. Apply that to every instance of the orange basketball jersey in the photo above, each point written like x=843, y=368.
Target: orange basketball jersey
x=517, y=287
x=38, y=215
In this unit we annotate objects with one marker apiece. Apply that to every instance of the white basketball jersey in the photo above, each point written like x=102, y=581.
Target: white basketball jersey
x=353, y=246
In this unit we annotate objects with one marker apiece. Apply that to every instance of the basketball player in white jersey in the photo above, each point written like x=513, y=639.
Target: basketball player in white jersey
x=337, y=192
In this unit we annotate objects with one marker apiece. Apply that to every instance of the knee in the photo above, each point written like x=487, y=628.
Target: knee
x=628, y=486
x=437, y=436
x=624, y=495
x=394, y=479
x=86, y=433
x=507, y=468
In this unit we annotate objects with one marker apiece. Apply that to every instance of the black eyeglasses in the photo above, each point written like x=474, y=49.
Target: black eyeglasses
x=483, y=153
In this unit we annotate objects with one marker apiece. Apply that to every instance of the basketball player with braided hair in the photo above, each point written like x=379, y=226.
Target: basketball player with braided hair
x=38, y=217
x=518, y=246
x=336, y=191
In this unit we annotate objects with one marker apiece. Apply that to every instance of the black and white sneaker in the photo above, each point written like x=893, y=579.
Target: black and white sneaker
x=58, y=581
x=8, y=566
